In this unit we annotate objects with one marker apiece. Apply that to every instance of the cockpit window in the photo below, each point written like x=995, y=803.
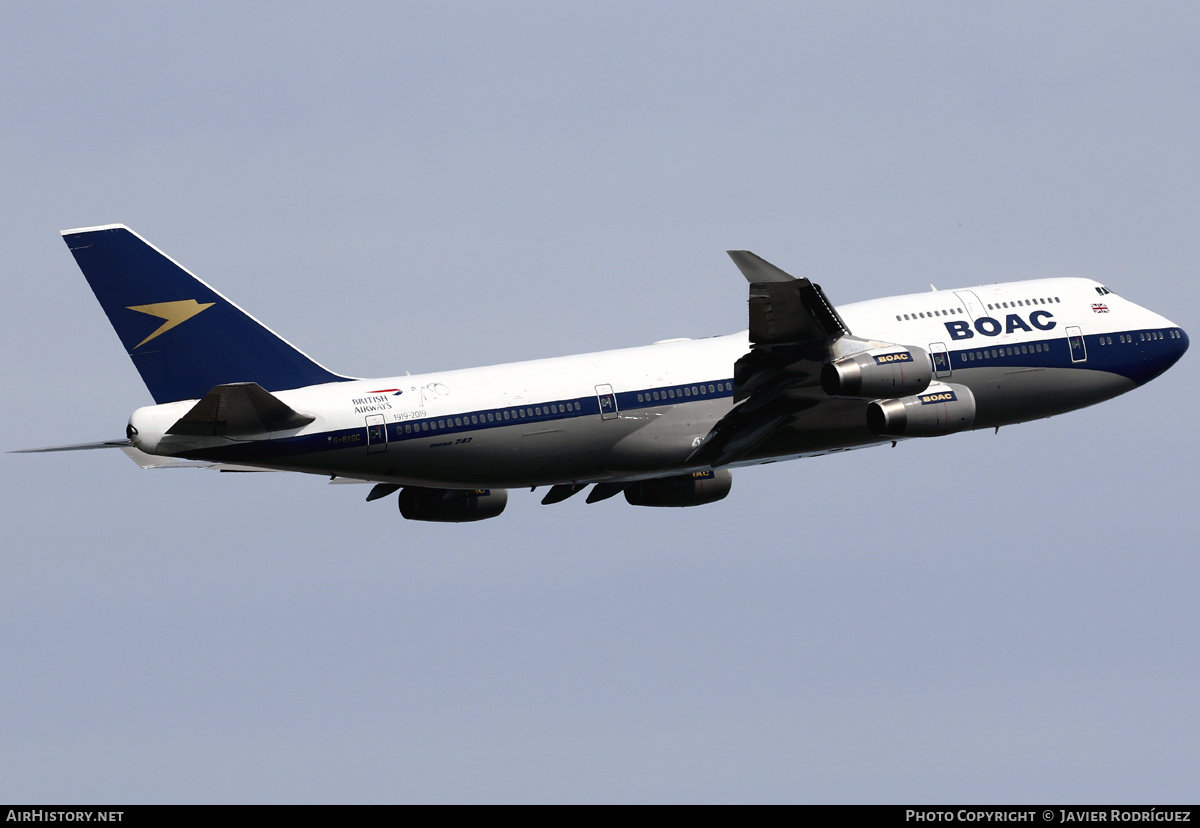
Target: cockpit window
x=1103, y=291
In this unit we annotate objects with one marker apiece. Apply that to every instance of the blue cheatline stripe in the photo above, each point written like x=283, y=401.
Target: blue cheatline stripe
x=472, y=421
x=556, y=410
x=1143, y=355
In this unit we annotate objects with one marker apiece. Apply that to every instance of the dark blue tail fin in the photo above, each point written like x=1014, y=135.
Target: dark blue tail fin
x=182, y=335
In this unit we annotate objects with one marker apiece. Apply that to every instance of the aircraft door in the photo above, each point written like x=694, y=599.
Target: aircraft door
x=1075, y=340
x=608, y=402
x=376, y=434
x=941, y=359
x=971, y=303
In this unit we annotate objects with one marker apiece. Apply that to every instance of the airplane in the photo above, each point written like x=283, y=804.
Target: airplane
x=663, y=424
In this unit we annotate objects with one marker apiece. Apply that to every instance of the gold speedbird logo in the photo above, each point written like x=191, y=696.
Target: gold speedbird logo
x=175, y=313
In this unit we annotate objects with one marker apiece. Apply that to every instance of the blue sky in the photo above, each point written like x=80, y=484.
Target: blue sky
x=406, y=187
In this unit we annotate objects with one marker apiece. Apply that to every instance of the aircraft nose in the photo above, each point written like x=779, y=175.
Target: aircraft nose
x=1181, y=345
x=1161, y=355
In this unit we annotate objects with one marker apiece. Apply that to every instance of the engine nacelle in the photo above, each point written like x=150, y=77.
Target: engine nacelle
x=694, y=489
x=890, y=372
x=451, y=505
x=943, y=409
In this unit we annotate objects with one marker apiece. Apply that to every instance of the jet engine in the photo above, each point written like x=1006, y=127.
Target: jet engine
x=887, y=372
x=943, y=409
x=451, y=505
x=694, y=489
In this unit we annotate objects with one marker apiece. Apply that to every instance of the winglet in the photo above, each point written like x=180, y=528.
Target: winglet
x=757, y=269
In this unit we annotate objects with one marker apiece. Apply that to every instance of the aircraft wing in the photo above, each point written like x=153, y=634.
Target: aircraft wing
x=785, y=310
x=794, y=331
x=791, y=324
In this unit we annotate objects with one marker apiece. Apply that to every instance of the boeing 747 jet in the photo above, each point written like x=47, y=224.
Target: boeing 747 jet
x=662, y=424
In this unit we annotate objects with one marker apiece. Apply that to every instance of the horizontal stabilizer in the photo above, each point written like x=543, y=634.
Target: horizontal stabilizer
x=150, y=461
x=76, y=447
x=236, y=409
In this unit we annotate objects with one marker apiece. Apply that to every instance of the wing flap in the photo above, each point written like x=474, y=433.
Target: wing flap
x=783, y=308
x=795, y=312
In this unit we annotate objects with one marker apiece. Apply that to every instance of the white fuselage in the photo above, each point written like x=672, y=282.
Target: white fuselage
x=1025, y=349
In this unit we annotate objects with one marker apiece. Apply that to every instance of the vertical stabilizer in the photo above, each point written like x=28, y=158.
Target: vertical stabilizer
x=183, y=336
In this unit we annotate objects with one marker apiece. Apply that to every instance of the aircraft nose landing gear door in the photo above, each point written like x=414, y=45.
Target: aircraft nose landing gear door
x=376, y=434
x=608, y=402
